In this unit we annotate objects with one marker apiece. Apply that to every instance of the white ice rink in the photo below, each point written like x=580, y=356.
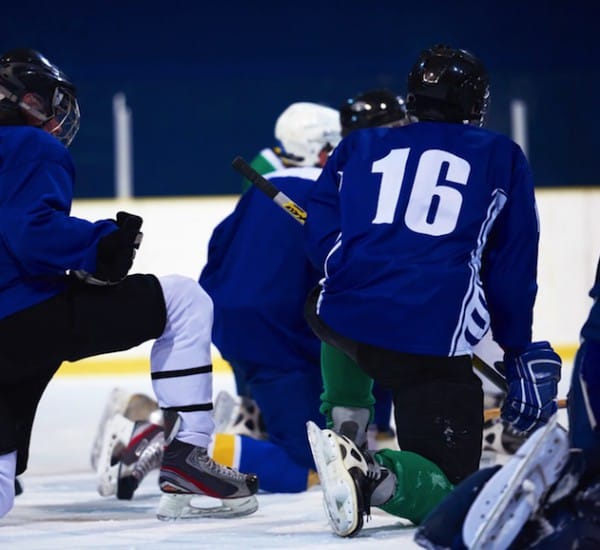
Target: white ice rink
x=60, y=508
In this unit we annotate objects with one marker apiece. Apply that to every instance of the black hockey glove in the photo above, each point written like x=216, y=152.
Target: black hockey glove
x=116, y=251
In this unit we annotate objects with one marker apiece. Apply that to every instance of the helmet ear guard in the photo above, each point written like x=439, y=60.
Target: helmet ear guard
x=25, y=71
x=449, y=85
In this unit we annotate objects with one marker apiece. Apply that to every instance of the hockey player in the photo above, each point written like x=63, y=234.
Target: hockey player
x=258, y=277
x=377, y=107
x=65, y=295
x=556, y=510
x=427, y=234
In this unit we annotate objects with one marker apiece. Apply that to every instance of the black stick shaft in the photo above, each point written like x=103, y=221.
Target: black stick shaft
x=278, y=197
x=299, y=214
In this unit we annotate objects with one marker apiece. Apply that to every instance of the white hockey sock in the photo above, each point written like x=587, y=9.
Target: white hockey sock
x=181, y=358
x=8, y=465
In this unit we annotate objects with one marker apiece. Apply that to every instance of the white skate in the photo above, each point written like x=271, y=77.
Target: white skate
x=237, y=415
x=116, y=404
x=348, y=477
x=514, y=493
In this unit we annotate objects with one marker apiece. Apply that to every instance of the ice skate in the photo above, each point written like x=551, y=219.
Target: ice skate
x=349, y=479
x=134, y=407
x=514, y=493
x=500, y=443
x=188, y=471
x=238, y=415
x=129, y=451
x=116, y=404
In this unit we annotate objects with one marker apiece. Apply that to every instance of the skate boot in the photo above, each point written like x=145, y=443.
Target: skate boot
x=115, y=404
x=143, y=454
x=238, y=415
x=129, y=451
x=134, y=407
x=500, y=441
x=188, y=471
x=353, y=422
x=515, y=492
x=351, y=480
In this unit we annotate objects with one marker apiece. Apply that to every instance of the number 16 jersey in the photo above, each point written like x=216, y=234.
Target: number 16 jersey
x=426, y=234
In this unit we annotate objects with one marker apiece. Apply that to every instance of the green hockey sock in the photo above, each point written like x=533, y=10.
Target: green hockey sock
x=345, y=384
x=420, y=484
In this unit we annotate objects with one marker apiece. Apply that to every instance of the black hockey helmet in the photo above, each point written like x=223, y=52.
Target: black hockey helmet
x=24, y=71
x=373, y=108
x=449, y=85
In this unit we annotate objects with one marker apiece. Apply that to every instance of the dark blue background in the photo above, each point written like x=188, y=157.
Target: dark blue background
x=206, y=80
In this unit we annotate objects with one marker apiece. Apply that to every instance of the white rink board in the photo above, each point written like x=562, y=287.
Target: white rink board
x=177, y=231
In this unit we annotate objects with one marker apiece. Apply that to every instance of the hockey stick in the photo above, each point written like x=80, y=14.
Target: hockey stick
x=491, y=414
x=278, y=197
x=300, y=215
x=491, y=373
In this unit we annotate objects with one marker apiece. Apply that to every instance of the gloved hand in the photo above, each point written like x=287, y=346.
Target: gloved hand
x=116, y=251
x=532, y=379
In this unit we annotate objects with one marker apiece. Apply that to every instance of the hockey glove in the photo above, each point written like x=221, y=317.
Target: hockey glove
x=116, y=251
x=532, y=379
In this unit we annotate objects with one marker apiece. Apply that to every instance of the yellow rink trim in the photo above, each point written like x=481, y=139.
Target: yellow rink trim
x=136, y=365
x=122, y=365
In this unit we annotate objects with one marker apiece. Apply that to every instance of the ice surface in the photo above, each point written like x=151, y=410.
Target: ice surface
x=60, y=508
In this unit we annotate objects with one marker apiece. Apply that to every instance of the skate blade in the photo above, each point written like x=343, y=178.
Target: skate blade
x=339, y=493
x=175, y=507
x=116, y=434
x=513, y=494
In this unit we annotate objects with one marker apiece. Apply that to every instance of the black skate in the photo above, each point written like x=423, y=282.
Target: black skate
x=189, y=471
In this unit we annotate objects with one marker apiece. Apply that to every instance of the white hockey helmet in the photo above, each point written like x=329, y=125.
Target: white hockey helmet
x=305, y=129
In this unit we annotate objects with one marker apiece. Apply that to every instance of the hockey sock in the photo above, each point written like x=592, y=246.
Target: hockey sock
x=345, y=384
x=277, y=471
x=8, y=464
x=420, y=484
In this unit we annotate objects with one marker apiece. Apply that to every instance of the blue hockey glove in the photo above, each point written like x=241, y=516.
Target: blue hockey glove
x=532, y=379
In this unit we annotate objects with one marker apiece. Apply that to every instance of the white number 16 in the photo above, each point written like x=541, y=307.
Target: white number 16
x=432, y=209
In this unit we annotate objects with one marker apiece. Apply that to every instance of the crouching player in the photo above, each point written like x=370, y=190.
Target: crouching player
x=557, y=510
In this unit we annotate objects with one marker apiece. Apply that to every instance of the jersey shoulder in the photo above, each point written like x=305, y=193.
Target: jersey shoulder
x=23, y=144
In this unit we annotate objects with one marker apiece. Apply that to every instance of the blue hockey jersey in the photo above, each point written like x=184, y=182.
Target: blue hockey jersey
x=591, y=328
x=426, y=233
x=258, y=277
x=39, y=240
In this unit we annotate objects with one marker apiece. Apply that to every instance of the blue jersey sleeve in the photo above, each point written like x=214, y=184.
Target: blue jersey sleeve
x=322, y=226
x=36, y=225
